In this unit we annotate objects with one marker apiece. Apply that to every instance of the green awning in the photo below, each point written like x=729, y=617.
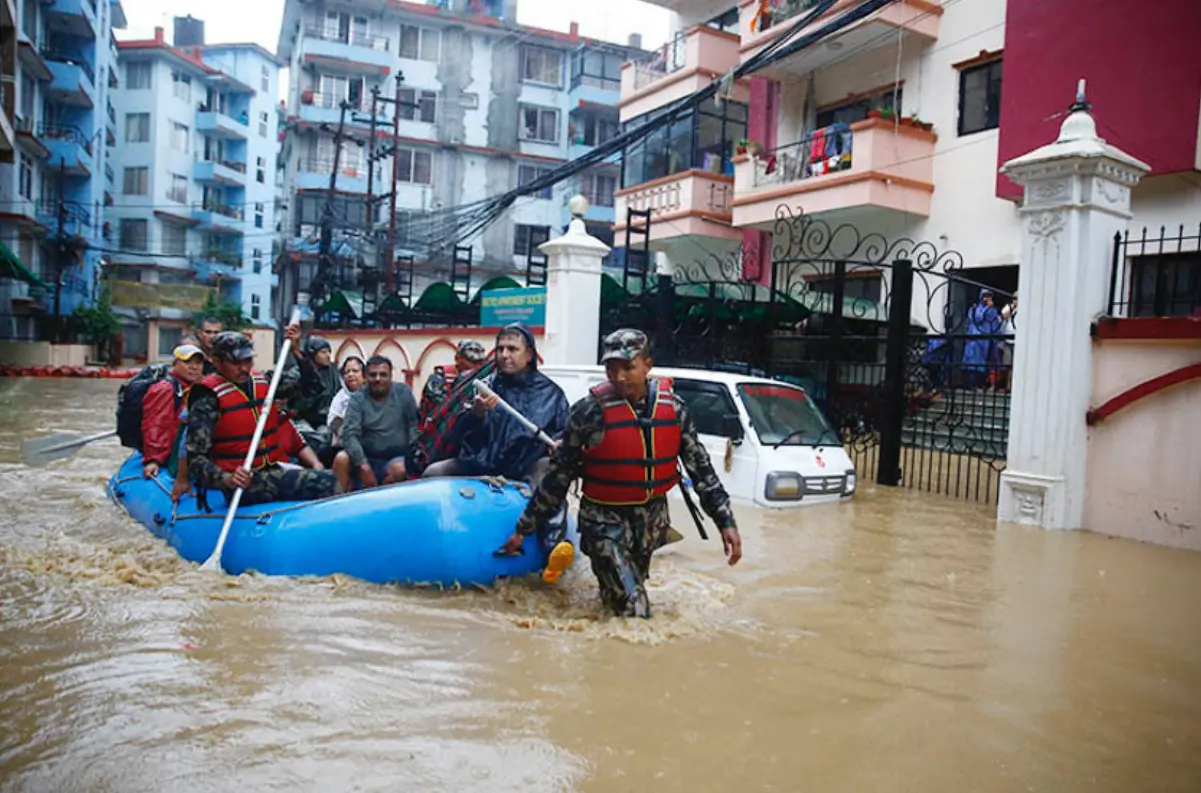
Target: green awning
x=439, y=297
x=11, y=267
x=347, y=303
x=499, y=282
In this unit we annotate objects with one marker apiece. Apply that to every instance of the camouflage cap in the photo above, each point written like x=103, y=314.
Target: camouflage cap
x=472, y=350
x=625, y=345
x=230, y=345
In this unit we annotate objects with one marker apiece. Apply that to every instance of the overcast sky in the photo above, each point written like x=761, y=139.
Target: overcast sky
x=258, y=20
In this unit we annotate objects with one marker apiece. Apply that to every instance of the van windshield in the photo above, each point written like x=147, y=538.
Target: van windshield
x=785, y=415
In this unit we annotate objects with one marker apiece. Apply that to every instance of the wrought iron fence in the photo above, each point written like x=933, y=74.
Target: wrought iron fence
x=1156, y=274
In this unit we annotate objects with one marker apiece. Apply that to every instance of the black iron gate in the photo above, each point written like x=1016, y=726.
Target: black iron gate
x=887, y=337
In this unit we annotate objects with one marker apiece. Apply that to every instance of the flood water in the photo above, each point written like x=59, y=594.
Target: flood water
x=899, y=643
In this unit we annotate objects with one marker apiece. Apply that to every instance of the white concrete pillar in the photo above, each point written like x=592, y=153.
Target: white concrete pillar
x=573, y=292
x=1077, y=196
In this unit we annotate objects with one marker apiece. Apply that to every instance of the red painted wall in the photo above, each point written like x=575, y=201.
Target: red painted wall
x=1142, y=62
x=763, y=117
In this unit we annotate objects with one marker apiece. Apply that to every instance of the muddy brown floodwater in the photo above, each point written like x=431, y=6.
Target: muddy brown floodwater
x=899, y=643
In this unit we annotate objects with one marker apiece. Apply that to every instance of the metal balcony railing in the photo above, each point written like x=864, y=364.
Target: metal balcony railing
x=234, y=213
x=352, y=39
x=73, y=58
x=67, y=132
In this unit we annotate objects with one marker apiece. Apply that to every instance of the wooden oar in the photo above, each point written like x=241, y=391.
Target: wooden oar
x=60, y=446
x=213, y=563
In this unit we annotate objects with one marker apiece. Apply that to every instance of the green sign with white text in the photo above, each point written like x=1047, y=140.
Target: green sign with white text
x=499, y=307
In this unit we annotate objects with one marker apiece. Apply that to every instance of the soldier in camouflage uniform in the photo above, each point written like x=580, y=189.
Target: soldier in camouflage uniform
x=623, y=513
x=233, y=358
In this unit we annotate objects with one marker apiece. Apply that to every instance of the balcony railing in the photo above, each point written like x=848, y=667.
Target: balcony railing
x=232, y=212
x=330, y=101
x=73, y=58
x=324, y=165
x=780, y=11
x=671, y=57
x=220, y=256
x=73, y=212
x=352, y=39
x=68, y=133
x=822, y=151
x=1156, y=273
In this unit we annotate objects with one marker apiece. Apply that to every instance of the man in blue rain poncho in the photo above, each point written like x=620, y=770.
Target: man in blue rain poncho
x=493, y=443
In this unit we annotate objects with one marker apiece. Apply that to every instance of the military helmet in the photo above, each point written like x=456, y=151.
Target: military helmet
x=229, y=345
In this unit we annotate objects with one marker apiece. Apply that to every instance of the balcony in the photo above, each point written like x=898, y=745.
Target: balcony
x=686, y=64
x=588, y=89
x=223, y=172
x=313, y=174
x=684, y=207
x=76, y=219
x=219, y=218
x=351, y=53
x=919, y=19
x=873, y=165
x=326, y=108
x=218, y=125
x=32, y=61
x=215, y=264
x=72, y=17
x=28, y=138
x=72, y=79
x=68, y=147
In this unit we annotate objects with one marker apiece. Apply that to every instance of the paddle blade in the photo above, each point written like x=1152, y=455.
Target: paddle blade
x=60, y=446
x=212, y=564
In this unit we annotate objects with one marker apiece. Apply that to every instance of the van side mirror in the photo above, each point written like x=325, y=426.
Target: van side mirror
x=731, y=427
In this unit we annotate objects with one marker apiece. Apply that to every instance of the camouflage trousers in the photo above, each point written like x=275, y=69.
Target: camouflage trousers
x=619, y=542
x=277, y=483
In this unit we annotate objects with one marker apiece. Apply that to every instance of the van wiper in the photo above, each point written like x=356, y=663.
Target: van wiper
x=817, y=442
x=788, y=437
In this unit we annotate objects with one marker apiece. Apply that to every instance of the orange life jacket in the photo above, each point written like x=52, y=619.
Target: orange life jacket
x=236, y=424
x=636, y=459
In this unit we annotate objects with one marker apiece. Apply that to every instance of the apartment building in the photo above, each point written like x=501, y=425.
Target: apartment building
x=196, y=174
x=485, y=105
x=58, y=59
x=897, y=124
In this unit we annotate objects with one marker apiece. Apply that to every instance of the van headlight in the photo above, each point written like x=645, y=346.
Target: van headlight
x=849, y=486
x=784, y=486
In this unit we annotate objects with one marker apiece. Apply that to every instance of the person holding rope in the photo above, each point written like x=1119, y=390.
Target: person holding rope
x=625, y=441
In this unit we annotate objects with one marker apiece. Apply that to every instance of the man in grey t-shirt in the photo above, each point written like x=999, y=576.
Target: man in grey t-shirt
x=378, y=432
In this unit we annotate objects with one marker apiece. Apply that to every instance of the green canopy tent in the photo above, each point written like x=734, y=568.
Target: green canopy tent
x=346, y=303
x=499, y=282
x=11, y=267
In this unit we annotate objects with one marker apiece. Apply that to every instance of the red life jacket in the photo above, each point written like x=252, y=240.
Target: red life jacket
x=636, y=460
x=236, y=423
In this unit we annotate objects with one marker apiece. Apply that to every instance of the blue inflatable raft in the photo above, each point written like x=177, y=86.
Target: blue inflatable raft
x=426, y=532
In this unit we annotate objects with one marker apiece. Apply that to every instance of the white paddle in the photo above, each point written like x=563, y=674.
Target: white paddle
x=482, y=388
x=39, y=451
x=213, y=564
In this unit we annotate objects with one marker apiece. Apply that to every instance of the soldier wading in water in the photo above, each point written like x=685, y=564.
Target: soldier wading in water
x=623, y=440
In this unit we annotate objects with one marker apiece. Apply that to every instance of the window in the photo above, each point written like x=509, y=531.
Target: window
x=258, y=260
x=266, y=79
x=258, y=215
x=415, y=166
x=168, y=340
x=178, y=191
x=175, y=239
x=137, y=76
x=598, y=69
x=1165, y=285
x=419, y=44
x=25, y=178
x=529, y=173
x=703, y=138
x=133, y=234
x=427, y=105
x=137, y=181
x=980, y=98
x=179, y=137
x=264, y=120
x=260, y=170
x=540, y=65
x=708, y=404
x=781, y=414
x=592, y=128
x=598, y=188
x=886, y=99
x=256, y=306
x=181, y=86
x=527, y=238
x=539, y=124
x=137, y=127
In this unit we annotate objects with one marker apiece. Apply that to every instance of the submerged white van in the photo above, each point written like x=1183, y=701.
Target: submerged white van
x=770, y=444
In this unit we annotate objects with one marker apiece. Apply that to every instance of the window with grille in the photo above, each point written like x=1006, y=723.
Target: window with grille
x=526, y=237
x=539, y=124
x=137, y=127
x=137, y=181
x=175, y=239
x=426, y=110
x=540, y=65
x=530, y=173
x=133, y=234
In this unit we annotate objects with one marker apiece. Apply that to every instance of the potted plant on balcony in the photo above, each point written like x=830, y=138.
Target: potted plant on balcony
x=306, y=96
x=747, y=146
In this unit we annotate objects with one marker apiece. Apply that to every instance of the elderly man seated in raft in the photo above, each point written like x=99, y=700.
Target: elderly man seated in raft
x=492, y=443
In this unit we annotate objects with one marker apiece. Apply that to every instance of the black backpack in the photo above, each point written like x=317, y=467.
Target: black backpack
x=129, y=403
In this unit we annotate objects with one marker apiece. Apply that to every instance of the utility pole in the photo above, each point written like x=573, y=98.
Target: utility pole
x=389, y=253
x=62, y=251
x=324, y=255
